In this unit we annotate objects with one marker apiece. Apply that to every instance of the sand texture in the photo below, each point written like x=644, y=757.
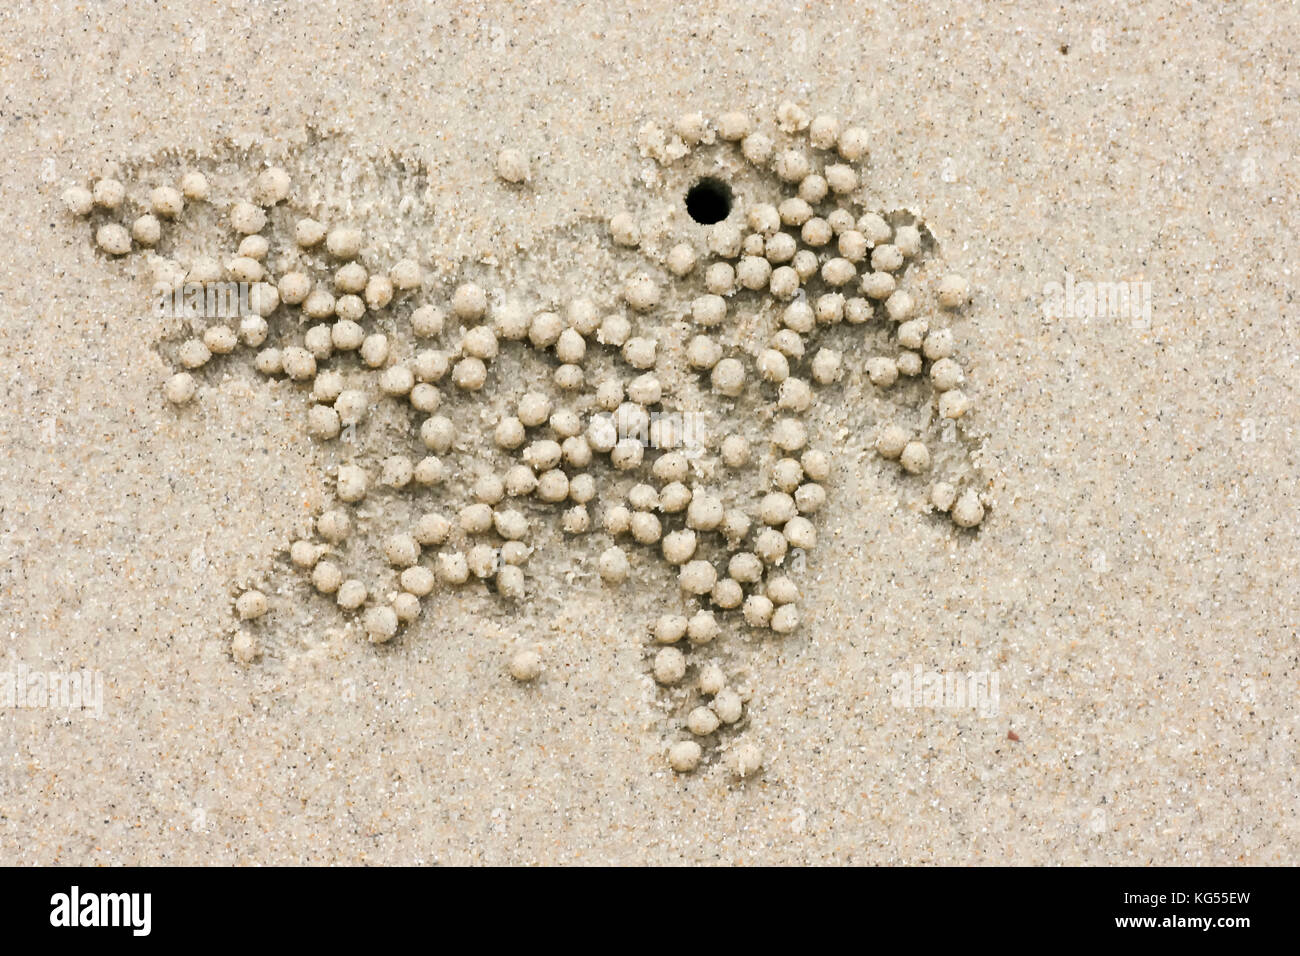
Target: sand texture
x=1131, y=592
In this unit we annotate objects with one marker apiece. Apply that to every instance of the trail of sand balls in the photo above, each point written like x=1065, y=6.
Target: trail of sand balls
x=816, y=252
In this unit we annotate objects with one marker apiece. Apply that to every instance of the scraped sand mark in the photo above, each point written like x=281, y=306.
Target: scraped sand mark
x=614, y=280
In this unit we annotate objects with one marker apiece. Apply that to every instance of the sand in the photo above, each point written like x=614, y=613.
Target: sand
x=1132, y=590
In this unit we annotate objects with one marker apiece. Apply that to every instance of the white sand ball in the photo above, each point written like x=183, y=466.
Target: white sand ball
x=271, y=187
x=406, y=607
x=108, y=193
x=512, y=165
x=326, y=577
x=733, y=126
x=469, y=302
x=968, y=512
x=728, y=377
x=892, y=440
x=702, y=721
x=954, y=292
x=943, y=495
x=78, y=200
x=344, y=242
x=945, y=374
x=245, y=218
x=351, y=595
x=728, y=706
x=194, y=186
x=697, y=577
x=250, y=605
x=180, y=388
x=953, y=404
x=624, y=230
x=113, y=239
x=525, y=666
x=641, y=292
x=915, y=457
x=243, y=648
x=684, y=756
x=681, y=259
x=669, y=666
x=381, y=622
x=406, y=275
x=745, y=759
x=613, y=565
x=712, y=680
x=785, y=619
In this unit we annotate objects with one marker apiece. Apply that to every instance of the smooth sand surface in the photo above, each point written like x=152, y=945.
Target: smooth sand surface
x=1133, y=588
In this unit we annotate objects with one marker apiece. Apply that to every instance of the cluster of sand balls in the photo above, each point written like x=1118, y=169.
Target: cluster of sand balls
x=826, y=262
x=823, y=260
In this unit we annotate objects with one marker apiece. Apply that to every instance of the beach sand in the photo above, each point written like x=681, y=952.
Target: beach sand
x=1132, y=588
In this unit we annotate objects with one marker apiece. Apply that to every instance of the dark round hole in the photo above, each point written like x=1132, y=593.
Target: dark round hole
x=709, y=201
